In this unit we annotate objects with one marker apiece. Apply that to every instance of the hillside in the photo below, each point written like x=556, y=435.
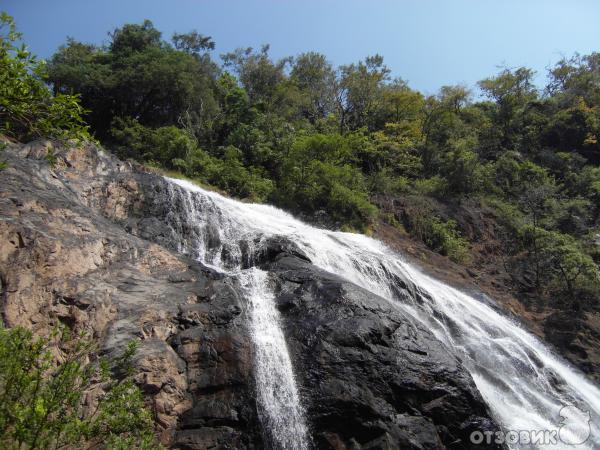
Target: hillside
x=259, y=253
x=88, y=243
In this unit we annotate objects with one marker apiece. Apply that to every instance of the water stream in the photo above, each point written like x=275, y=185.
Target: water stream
x=525, y=385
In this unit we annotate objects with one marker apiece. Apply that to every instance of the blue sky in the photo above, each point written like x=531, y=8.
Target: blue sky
x=429, y=43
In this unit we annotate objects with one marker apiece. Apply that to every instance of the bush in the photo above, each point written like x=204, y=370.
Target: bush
x=384, y=182
x=317, y=176
x=461, y=169
x=560, y=261
x=434, y=186
x=339, y=190
x=27, y=107
x=439, y=235
x=161, y=145
x=41, y=395
x=231, y=175
x=507, y=214
x=443, y=237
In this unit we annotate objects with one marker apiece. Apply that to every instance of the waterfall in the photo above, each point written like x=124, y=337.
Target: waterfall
x=525, y=385
x=210, y=235
x=280, y=409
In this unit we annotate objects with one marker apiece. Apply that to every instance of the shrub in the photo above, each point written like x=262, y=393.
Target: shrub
x=164, y=145
x=231, y=174
x=433, y=186
x=386, y=183
x=338, y=189
x=443, y=237
x=41, y=399
x=461, y=169
x=561, y=263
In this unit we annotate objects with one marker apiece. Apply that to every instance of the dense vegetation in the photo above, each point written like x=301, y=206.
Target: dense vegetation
x=42, y=384
x=27, y=107
x=342, y=144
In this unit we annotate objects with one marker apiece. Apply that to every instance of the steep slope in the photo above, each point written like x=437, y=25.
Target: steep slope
x=92, y=244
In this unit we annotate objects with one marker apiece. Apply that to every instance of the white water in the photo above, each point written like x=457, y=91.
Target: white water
x=524, y=384
x=279, y=404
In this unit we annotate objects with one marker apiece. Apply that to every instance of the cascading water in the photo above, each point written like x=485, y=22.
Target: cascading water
x=280, y=409
x=212, y=242
x=526, y=386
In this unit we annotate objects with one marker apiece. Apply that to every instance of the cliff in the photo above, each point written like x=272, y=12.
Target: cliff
x=86, y=242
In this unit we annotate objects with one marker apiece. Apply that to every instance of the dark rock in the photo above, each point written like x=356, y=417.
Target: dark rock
x=372, y=377
x=93, y=243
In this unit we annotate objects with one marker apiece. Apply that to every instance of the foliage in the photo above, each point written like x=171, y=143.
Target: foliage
x=3, y=164
x=560, y=261
x=443, y=237
x=27, y=107
x=161, y=145
x=317, y=176
x=42, y=385
x=350, y=141
x=137, y=76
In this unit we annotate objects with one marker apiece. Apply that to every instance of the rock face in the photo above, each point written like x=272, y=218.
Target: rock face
x=373, y=377
x=86, y=243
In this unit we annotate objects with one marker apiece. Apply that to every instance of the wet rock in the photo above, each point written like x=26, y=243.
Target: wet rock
x=68, y=254
x=93, y=243
x=372, y=377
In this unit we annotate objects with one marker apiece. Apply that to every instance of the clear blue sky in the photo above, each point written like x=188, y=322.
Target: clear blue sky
x=429, y=43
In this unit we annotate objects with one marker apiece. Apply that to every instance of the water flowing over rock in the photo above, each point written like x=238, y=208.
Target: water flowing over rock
x=280, y=409
x=258, y=330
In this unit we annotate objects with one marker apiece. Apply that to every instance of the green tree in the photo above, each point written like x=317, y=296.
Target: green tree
x=359, y=92
x=259, y=75
x=137, y=76
x=561, y=261
x=41, y=396
x=161, y=145
x=27, y=107
x=511, y=90
x=192, y=42
x=318, y=176
x=315, y=78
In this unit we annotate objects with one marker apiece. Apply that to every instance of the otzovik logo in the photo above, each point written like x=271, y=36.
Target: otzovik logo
x=574, y=425
x=574, y=429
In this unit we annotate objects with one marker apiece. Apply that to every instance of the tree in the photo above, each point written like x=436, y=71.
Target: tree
x=402, y=105
x=460, y=168
x=455, y=97
x=317, y=176
x=358, y=94
x=534, y=201
x=561, y=262
x=161, y=145
x=192, y=42
x=135, y=38
x=444, y=128
x=578, y=76
x=258, y=74
x=41, y=396
x=27, y=107
x=511, y=90
x=140, y=77
x=315, y=78
x=575, y=128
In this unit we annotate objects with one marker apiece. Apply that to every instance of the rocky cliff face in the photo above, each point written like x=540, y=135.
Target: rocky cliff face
x=92, y=243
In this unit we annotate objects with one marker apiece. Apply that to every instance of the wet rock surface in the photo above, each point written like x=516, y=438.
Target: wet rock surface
x=92, y=243
x=372, y=377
